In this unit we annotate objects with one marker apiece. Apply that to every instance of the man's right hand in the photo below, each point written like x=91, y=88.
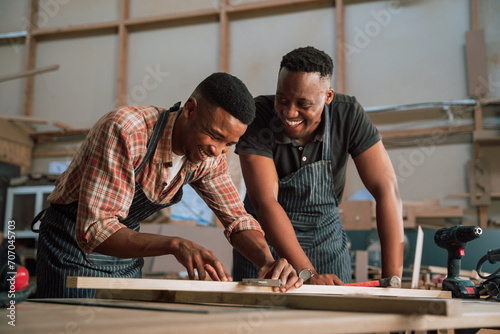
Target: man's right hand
x=281, y=269
x=253, y=245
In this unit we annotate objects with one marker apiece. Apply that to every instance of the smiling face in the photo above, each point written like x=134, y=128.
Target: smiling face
x=300, y=100
x=202, y=132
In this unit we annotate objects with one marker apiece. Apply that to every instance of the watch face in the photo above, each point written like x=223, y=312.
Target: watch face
x=305, y=274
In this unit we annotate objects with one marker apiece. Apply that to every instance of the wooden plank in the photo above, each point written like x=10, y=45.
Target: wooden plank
x=224, y=38
x=488, y=100
x=136, y=305
x=95, y=318
x=49, y=136
x=488, y=331
x=409, y=218
x=486, y=136
x=77, y=29
x=474, y=17
x=340, y=45
x=482, y=212
x=248, y=7
x=493, y=195
x=354, y=303
x=28, y=73
x=122, y=63
x=176, y=17
x=423, y=202
x=474, y=189
x=361, y=270
x=15, y=132
x=24, y=119
x=30, y=59
x=478, y=117
x=444, y=271
x=189, y=285
x=418, y=258
x=435, y=132
x=479, y=181
x=63, y=126
x=438, y=212
x=15, y=154
x=477, y=63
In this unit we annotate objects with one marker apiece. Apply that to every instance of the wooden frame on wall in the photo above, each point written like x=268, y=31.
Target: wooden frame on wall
x=122, y=26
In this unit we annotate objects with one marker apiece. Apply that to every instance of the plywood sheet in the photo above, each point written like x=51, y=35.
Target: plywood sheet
x=137, y=305
x=35, y=317
x=353, y=303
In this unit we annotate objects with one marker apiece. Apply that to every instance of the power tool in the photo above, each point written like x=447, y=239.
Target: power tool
x=491, y=285
x=454, y=239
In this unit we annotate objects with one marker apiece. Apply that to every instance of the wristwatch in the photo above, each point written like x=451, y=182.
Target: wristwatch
x=306, y=274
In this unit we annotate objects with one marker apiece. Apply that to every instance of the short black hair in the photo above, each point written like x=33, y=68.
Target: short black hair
x=229, y=93
x=310, y=60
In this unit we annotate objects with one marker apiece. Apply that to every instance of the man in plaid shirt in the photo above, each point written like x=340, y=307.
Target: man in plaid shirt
x=133, y=163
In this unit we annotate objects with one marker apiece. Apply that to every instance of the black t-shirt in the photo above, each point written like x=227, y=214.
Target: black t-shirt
x=352, y=132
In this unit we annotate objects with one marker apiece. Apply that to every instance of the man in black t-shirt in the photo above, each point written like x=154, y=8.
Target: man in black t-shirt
x=294, y=157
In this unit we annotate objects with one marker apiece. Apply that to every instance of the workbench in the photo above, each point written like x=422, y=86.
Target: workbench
x=120, y=316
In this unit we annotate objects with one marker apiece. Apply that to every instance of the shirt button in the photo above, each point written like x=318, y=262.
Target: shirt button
x=301, y=148
x=304, y=158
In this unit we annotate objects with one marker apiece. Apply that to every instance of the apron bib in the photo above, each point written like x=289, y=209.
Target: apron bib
x=308, y=197
x=59, y=255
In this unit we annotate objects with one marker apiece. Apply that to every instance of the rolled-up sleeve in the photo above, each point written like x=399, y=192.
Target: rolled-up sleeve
x=107, y=185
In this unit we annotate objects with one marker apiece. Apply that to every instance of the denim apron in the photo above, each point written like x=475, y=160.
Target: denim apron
x=59, y=255
x=308, y=197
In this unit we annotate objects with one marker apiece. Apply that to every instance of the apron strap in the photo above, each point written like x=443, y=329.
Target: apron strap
x=36, y=219
x=157, y=131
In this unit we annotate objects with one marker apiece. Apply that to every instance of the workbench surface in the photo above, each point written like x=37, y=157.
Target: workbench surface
x=122, y=317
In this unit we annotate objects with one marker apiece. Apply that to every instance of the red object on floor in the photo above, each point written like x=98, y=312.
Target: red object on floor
x=22, y=279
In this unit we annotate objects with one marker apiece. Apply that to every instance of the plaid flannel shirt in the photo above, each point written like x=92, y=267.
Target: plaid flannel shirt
x=101, y=177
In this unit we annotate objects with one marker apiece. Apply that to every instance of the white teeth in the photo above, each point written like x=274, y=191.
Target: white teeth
x=203, y=154
x=293, y=123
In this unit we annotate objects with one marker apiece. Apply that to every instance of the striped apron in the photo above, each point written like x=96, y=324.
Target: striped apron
x=59, y=255
x=308, y=197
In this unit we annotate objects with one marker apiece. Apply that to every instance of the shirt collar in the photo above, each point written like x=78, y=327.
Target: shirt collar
x=281, y=137
x=163, y=153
